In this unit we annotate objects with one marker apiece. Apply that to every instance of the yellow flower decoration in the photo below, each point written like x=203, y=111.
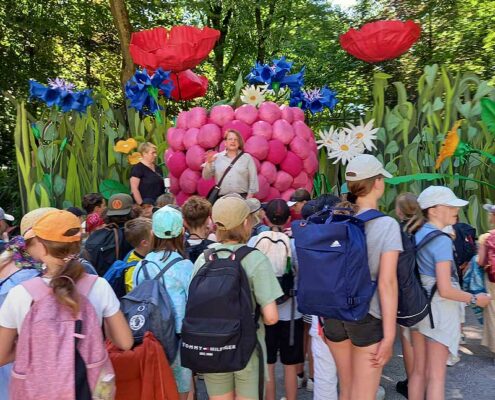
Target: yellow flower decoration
x=449, y=145
x=134, y=158
x=125, y=146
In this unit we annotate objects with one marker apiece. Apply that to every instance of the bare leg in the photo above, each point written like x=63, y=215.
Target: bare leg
x=290, y=378
x=417, y=379
x=365, y=377
x=270, y=389
x=436, y=370
x=342, y=354
x=407, y=352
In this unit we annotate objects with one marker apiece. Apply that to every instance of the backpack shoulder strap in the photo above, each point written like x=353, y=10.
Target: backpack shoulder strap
x=429, y=237
x=370, y=215
x=167, y=267
x=37, y=288
x=85, y=283
x=242, y=252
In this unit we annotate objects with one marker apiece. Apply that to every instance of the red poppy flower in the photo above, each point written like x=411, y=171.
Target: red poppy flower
x=188, y=85
x=380, y=40
x=177, y=49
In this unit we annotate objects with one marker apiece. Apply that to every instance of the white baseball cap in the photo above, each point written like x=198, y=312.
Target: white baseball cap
x=5, y=216
x=489, y=207
x=439, y=196
x=365, y=166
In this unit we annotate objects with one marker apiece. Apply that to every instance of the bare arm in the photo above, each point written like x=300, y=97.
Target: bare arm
x=135, y=190
x=253, y=185
x=7, y=345
x=270, y=313
x=444, y=284
x=482, y=255
x=388, y=294
x=118, y=331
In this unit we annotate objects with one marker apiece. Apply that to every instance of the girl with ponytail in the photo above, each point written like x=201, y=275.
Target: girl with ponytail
x=55, y=241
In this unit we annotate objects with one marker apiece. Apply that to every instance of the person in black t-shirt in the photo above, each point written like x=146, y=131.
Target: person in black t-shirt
x=146, y=178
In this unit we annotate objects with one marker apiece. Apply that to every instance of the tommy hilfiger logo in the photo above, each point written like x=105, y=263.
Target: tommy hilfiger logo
x=336, y=243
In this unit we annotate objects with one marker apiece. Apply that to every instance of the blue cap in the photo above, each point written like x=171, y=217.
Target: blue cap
x=167, y=223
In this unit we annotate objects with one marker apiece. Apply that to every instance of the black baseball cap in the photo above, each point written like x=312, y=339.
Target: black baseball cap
x=277, y=211
x=300, y=194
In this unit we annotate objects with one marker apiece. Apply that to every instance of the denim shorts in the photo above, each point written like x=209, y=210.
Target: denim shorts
x=362, y=333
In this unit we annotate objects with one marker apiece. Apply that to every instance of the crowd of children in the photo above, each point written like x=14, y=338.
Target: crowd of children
x=66, y=273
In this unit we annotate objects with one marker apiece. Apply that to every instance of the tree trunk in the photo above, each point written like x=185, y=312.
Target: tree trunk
x=124, y=29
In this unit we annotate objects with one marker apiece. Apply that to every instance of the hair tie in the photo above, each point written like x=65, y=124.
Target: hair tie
x=71, y=257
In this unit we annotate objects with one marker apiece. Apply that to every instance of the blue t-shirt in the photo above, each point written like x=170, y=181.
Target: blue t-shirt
x=437, y=250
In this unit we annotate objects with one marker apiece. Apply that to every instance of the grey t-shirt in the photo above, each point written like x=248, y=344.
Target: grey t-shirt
x=382, y=235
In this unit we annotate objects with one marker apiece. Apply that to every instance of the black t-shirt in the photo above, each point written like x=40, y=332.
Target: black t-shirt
x=151, y=183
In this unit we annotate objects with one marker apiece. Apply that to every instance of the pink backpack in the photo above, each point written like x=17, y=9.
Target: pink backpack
x=45, y=362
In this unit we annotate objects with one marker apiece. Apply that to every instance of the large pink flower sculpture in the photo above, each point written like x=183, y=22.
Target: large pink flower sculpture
x=281, y=144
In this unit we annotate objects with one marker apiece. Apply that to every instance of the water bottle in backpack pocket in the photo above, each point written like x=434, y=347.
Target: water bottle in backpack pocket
x=334, y=279
x=148, y=307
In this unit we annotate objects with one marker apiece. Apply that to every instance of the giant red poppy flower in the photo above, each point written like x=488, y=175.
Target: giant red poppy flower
x=188, y=85
x=177, y=49
x=380, y=40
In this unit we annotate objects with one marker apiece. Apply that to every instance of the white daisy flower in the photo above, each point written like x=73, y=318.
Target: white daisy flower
x=327, y=137
x=253, y=95
x=345, y=148
x=362, y=133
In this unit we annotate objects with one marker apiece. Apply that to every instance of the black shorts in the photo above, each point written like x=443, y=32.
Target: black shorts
x=361, y=333
x=277, y=339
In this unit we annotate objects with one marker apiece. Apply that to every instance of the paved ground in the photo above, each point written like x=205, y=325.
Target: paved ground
x=472, y=378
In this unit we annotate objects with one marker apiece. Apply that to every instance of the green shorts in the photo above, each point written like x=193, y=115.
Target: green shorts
x=243, y=382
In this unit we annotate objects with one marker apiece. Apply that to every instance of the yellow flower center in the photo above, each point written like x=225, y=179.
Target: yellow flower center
x=360, y=135
x=344, y=147
x=252, y=97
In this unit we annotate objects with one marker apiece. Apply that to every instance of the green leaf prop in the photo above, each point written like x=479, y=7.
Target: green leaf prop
x=109, y=187
x=488, y=114
x=397, y=180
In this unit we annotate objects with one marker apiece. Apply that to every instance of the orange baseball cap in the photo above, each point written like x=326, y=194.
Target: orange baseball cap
x=53, y=226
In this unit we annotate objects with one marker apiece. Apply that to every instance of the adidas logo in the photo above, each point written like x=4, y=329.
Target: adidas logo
x=336, y=243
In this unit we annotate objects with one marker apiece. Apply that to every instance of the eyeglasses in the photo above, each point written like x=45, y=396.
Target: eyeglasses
x=231, y=140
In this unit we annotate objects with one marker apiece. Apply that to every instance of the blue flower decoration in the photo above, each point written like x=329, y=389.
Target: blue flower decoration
x=61, y=94
x=314, y=100
x=143, y=90
x=276, y=76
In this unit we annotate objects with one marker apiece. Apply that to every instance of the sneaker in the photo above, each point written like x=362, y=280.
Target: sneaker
x=300, y=382
x=401, y=388
x=380, y=393
x=283, y=398
x=310, y=385
x=453, y=360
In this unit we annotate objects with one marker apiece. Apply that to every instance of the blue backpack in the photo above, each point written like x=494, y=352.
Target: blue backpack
x=115, y=275
x=334, y=276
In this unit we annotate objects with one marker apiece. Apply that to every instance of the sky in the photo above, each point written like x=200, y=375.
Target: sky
x=344, y=3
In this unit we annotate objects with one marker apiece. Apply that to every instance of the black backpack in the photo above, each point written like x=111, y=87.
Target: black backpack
x=194, y=251
x=220, y=324
x=103, y=248
x=464, y=243
x=414, y=302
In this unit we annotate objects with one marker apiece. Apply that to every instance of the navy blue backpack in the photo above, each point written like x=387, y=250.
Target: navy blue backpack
x=334, y=276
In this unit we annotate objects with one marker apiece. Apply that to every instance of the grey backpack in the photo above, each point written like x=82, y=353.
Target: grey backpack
x=148, y=307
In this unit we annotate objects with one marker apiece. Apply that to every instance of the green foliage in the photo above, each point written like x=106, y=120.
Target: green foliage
x=412, y=133
x=74, y=154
